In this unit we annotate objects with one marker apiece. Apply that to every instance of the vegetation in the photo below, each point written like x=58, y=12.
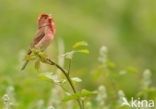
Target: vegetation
x=115, y=62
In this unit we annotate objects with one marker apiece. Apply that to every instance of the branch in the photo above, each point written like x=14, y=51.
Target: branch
x=50, y=62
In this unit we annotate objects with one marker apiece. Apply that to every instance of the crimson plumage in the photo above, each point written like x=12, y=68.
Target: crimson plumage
x=44, y=36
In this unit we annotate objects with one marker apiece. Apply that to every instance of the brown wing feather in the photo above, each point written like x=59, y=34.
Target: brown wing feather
x=40, y=34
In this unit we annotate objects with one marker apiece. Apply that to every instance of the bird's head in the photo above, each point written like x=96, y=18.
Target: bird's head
x=46, y=20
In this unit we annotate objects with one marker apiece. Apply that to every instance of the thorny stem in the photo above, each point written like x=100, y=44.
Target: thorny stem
x=50, y=62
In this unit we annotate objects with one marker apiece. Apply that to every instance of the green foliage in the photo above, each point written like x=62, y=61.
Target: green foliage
x=80, y=44
x=77, y=49
x=84, y=93
x=37, y=64
x=111, y=94
x=126, y=27
x=76, y=79
x=85, y=51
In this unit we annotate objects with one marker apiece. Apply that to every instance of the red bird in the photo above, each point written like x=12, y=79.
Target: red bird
x=44, y=36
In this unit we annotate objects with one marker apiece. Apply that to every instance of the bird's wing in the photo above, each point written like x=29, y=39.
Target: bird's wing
x=39, y=36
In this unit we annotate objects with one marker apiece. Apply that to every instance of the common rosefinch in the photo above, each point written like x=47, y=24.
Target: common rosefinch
x=44, y=35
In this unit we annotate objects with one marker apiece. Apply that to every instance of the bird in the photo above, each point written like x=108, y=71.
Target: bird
x=45, y=34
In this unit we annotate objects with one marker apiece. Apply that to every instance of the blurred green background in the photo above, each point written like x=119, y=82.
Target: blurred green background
x=126, y=27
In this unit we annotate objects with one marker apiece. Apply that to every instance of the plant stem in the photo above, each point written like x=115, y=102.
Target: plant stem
x=50, y=62
x=70, y=61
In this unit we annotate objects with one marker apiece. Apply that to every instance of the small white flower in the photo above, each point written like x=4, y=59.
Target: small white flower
x=147, y=78
x=102, y=95
x=103, y=50
x=6, y=98
x=122, y=100
x=50, y=107
x=103, y=54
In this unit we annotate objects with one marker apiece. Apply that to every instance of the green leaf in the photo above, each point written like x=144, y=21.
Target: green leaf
x=85, y=51
x=80, y=44
x=51, y=76
x=69, y=55
x=111, y=64
x=83, y=93
x=76, y=79
x=29, y=57
x=37, y=64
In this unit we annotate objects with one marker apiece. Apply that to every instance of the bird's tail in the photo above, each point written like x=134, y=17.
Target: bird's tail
x=24, y=66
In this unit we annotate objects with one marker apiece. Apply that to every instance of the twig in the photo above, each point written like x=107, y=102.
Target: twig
x=50, y=62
